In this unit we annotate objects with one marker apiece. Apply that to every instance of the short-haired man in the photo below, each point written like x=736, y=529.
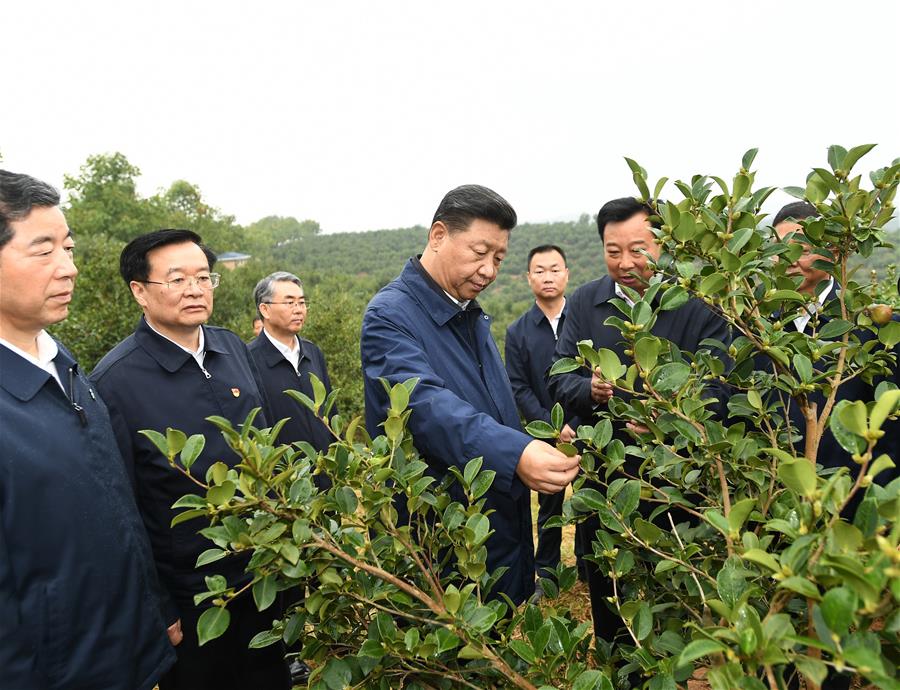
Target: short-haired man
x=285, y=360
x=428, y=324
x=530, y=342
x=174, y=371
x=821, y=287
x=627, y=234
x=79, y=604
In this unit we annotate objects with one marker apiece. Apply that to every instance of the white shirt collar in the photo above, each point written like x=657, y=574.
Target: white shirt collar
x=47, y=349
x=462, y=304
x=801, y=321
x=291, y=354
x=198, y=356
x=621, y=293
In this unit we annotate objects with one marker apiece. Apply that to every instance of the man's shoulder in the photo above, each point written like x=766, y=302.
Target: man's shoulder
x=519, y=324
x=115, y=358
x=309, y=347
x=224, y=337
x=590, y=291
x=392, y=298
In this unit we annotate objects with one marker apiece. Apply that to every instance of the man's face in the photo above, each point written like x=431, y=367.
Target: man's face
x=548, y=275
x=37, y=274
x=466, y=262
x=174, y=308
x=623, y=247
x=288, y=313
x=803, y=266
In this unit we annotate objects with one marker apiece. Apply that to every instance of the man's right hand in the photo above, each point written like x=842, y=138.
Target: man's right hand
x=545, y=469
x=601, y=391
x=175, y=634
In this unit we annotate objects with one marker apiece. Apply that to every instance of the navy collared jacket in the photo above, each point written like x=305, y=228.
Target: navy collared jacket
x=588, y=308
x=462, y=407
x=530, y=343
x=79, y=599
x=277, y=375
x=148, y=382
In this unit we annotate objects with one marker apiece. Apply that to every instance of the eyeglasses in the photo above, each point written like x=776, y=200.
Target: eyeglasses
x=204, y=282
x=541, y=272
x=292, y=304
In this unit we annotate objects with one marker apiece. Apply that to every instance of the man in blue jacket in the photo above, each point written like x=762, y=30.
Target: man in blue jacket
x=175, y=372
x=79, y=605
x=625, y=230
x=530, y=342
x=428, y=324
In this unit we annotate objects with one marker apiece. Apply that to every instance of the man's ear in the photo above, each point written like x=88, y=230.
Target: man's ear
x=436, y=236
x=139, y=291
x=264, y=311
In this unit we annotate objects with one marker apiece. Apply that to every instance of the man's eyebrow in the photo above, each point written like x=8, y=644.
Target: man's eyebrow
x=40, y=240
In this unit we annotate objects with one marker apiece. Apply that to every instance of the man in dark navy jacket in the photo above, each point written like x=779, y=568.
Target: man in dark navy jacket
x=428, y=324
x=530, y=342
x=625, y=230
x=285, y=360
x=79, y=604
x=175, y=372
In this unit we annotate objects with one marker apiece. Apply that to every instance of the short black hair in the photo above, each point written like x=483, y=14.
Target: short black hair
x=19, y=194
x=619, y=210
x=796, y=210
x=133, y=264
x=462, y=205
x=540, y=249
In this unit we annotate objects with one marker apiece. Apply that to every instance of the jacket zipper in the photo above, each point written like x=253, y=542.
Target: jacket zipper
x=79, y=410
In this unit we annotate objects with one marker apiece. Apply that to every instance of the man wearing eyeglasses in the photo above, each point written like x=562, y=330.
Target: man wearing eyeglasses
x=174, y=371
x=285, y=360
x=530, y=342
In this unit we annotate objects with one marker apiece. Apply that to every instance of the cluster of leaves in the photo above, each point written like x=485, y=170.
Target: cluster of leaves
x=384, y=602
x=728, y=546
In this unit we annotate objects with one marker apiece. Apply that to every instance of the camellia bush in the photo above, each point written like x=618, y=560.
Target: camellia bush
x=734, y=555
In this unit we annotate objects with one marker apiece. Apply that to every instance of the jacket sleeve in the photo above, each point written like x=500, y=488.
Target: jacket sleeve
x=122, y=434
x=517, y=368
x=573, y=389
x=444, y=426
x=18, y=660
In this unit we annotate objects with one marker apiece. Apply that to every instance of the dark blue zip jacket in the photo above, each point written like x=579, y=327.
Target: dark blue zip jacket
x=79, y=604
x=462, y=407
x=148, y=382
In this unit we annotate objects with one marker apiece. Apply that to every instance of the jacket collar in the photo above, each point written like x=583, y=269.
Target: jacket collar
x=536, y=315
x=22, y=379
x=430, y=295
x=169, y=355
x=271, y=354
x=604, y=290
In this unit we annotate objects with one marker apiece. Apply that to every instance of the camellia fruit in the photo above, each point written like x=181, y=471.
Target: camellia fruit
x=880, y=313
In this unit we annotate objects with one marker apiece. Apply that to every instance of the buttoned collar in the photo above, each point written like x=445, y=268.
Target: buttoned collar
x=23, y=379
x=436, y=303
x=277, y=351
x=536, y=314
x=168, y=354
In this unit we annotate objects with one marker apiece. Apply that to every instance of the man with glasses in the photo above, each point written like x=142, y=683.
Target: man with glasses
x=530, y=342
x=285, y=362
x=174, y=371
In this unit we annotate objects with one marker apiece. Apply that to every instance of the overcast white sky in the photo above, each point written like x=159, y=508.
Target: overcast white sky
x=361, y=115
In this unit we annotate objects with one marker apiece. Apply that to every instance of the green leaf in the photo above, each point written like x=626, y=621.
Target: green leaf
x=762, y=558
x=217, y=473
x=889, y=334
x=556, y=417
x=175, y=440
x=610, y=365
x=192, y=449
x=264, y=592
x=799, y=476
x=399, y=398
x=157, y=439
x=540, y=429
x=838, y=609
x=210, y=556
x=739, y=513
x=346, y=500
x=803, y=367
x=646, y=352
x=812, y=669
x=885, y=405
x=697, y=649
x=853, y=155
x=755, y=399
x=731, y=581
x=713, y=284
x=748, y=159
x=212, y=624
x=673, y=298
x=523, y=650
x=471, y=470
x=800, y=585
x=219, y=495
x=670, y=377
x=337, y=674
x=853, y=417
x=834, y=329
x=592, y=680
x=318, y=390
x=563, y=366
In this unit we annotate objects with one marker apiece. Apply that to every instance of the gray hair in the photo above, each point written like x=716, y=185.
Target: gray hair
x=18, y=195
x=265, y=288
